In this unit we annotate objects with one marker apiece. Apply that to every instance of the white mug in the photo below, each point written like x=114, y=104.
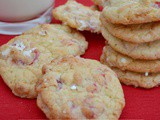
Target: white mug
x=22, y=10
x=17, y=16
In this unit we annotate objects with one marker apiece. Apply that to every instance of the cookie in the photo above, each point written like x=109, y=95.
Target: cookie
x=139, y=33
x=78, y=16
x=62, y=40
x=22, y=58
x=20, y=66
x=100, y=2
x=57, y=30
x=144, y=51
x=115, y=59
x=145, y=80
x=132, y=11
x=77, y=88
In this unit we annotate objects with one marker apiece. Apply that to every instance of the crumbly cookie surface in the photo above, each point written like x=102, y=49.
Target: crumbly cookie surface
x=115, y=59
x=22, y=58
x=134, y=33
x=132, y=11
x=100, y=2
x=61, y=39
x=77, y=88
x=78, y=16
x=144, y=51
x=145, y=80
x=20, y=66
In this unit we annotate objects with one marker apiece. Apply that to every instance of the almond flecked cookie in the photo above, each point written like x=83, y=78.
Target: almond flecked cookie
x=114, y=59
x=134, y=33
x=77, y=88
x=144, y=51
x=22, y=58
x=132, y=11
x=78, y=16
x=145, y=80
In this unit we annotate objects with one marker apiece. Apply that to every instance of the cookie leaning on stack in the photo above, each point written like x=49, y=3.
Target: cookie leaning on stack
x=132, y=29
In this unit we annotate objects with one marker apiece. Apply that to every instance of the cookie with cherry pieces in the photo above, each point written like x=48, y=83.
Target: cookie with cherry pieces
x=132, y=11
x=143, y=51
x=20, y=66
x=78, y=16
x=140, y=33
x=143, y=80
x=114, y=59
x=78, y=88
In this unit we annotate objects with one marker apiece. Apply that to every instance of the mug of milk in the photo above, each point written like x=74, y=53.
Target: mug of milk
x=17, y=16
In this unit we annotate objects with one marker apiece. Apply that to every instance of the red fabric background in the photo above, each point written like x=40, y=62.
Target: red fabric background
x=141, y=104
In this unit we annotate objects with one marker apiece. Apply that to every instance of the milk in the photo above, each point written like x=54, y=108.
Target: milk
x=22, y=10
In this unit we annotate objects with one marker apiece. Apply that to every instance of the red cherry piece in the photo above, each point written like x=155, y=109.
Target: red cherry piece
x=157, y=4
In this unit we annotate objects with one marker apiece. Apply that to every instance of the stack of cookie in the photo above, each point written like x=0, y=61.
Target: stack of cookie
x=132, y=29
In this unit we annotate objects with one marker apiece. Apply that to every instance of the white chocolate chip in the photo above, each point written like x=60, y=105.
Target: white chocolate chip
x=28, y=52
x=6, y=52
x=146, y=74
x=83, y=24
x=20, y=45
x=70, y=103
x=73, y=87
x=78, y=57
x=64, y=111
x=43, y=33
x=107, y=59
x=123, y=60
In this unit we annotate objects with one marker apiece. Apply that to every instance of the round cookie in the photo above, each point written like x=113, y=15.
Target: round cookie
x=132, y=11
x=56, y=30
x=22, y=58
x=20, y=66
x=144, y=51
x=77, y=88
x=138, y=80
x=78, y=16
x=115, y=59
x=134, y=33
x=59, y=39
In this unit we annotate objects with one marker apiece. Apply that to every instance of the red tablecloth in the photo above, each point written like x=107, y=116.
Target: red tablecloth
x=141, y=104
